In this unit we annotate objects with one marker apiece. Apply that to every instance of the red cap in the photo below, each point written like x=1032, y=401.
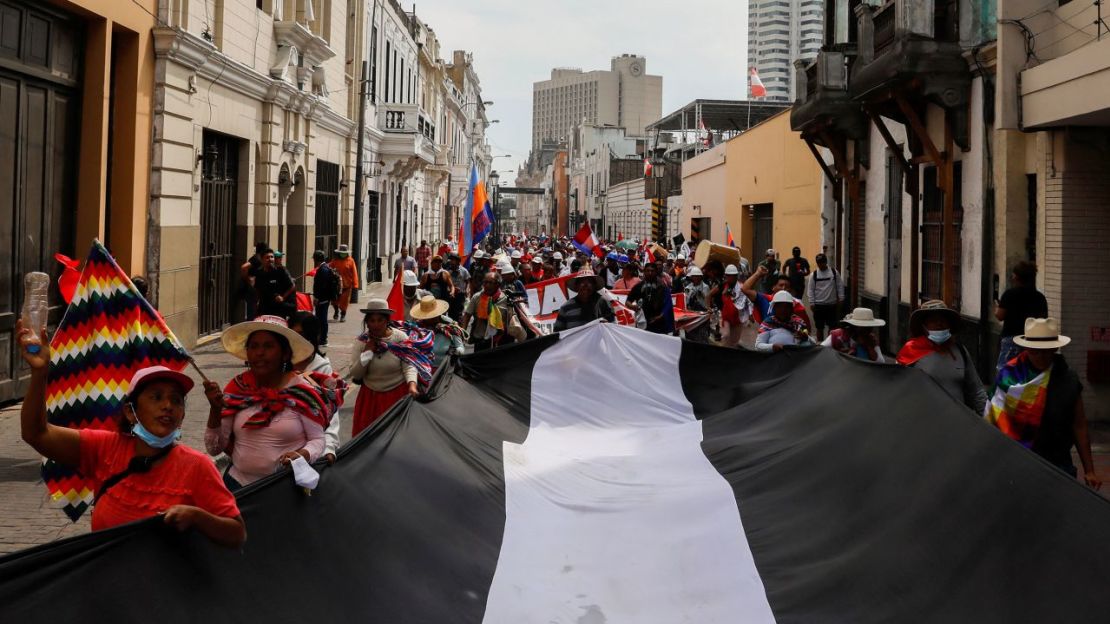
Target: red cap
x=153, y=373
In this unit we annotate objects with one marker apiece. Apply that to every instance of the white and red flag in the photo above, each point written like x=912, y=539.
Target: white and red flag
x=755, y=85
x=586, y=241
x=647, y=167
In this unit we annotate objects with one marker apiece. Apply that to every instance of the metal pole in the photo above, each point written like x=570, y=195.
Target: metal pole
x=356, y=235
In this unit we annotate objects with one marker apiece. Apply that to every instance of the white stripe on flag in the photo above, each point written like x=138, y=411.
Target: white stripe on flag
x=613, y=512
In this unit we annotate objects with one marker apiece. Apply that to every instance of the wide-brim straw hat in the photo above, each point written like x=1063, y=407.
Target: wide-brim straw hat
x=428, y=308
x=864, y=317
x=572, y=283
x=1042, y=334
x=377, y=305
x=929, y=308
x=235, y=337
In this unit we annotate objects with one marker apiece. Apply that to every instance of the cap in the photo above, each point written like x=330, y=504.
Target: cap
x=154, y=373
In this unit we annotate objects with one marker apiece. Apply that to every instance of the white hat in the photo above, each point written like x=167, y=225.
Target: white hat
x=782, y=296
x=235, y=337
x=732, y=270
x=680, y=257
x=1042, y=334
x=558, y=255
x=408, y=278
x=478, y=253
x=506, y=269
x=864, y=317
x=517, y=255
x=694, y=271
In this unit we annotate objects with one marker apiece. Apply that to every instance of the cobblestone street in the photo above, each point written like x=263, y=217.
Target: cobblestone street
x=27, y=516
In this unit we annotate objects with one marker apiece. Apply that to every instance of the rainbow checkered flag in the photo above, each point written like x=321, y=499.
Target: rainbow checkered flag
x=107, y=333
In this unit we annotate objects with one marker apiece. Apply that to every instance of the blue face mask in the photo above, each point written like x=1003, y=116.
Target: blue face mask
x=940, y=336
x=152, y=440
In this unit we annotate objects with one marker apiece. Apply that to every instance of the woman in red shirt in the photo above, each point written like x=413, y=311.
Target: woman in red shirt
x=161, y=477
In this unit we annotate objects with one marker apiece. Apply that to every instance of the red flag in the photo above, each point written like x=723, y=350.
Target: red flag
x=396, y=299
x=304, y=302
x=67, y=281
x=755, y=84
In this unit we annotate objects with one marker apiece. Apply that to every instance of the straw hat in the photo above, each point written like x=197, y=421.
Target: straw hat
x=929, y=308
x=235, y=338
x=377, y=305
x=572, y=283
x=864, y=317
x=428, y=308
x=1043, y=333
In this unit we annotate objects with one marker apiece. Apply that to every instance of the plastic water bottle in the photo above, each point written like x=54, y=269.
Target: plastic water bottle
x=35, y=307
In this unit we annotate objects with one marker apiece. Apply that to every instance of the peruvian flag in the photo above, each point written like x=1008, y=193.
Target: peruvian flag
x=647, y=255
x=586, y=241
x=707, y=140
x=647, y=167
x=755, y=85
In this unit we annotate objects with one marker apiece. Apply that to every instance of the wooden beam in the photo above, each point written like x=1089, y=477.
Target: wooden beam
x=919, y=130
x=880, y=125
x=923, y=160
x=821, y=161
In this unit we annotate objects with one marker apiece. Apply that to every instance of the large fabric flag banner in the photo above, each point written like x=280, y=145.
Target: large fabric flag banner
x=477, y=216
x=607, y=474
x=108, y=332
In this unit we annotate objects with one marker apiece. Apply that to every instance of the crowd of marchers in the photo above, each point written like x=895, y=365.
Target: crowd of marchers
x=284, y=406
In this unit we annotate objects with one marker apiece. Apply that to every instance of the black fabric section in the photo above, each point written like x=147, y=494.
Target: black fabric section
x=868, y=495
x=405, y=527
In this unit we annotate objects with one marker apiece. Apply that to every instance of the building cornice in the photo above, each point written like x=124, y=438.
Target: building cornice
x=209, y=63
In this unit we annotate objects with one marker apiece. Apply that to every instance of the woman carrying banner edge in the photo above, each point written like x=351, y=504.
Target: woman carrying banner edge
x=145, y=472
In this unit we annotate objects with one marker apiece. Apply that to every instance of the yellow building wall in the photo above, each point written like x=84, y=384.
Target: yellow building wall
x=117, y=32
x=771, y=164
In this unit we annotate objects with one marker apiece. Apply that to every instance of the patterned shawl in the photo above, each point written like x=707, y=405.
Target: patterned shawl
x=416, y=348
x=315, y=395
x=1020, y=394
x=795, y=325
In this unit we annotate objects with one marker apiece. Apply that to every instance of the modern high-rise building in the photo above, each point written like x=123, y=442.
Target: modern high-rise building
x=780, y=32
x=624, y=96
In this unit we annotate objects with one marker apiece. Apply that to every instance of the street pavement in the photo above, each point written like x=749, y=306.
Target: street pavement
x=28, y=518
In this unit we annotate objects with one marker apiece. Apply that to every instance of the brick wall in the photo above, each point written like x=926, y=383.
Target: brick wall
x=1074, y=268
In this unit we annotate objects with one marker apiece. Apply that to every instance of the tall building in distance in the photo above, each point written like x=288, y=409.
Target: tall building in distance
x=624, y=96
x=780, y=32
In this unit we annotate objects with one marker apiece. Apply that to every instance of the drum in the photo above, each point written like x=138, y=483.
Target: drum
x=708, y=250
x=659, y=252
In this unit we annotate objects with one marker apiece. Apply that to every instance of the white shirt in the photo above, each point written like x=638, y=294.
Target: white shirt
x=825, y=287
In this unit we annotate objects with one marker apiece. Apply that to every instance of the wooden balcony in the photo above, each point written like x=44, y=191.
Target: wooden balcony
x=911, y=47
x=824, y=103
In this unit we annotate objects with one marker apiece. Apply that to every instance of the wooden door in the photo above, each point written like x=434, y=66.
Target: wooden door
x=39, y=113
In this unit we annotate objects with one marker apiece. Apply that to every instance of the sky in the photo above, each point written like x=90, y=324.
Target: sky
x=698, y=46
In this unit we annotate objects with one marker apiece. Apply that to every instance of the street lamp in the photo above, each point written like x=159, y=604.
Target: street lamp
x=494, y=179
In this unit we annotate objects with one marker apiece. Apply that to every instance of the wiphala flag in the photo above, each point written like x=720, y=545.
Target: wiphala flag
x=108, y=332
x=612, y=475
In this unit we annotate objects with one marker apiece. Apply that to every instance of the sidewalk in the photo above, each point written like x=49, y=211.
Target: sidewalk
x=27, y=517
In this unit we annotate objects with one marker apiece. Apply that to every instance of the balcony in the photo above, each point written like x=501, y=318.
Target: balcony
x=912, y=47
x=408, y=141
x=823, y=100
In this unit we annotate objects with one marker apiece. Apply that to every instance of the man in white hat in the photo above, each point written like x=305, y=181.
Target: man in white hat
x=736, y=309
x=856, y=336
x=515, y=257
x=1038, y=401
x=510, y=281
x=410, y=288
x=494, y=324
x=783, y=327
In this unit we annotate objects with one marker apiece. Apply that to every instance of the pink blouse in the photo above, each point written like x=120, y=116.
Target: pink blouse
x=623, y=284
x=257, y=452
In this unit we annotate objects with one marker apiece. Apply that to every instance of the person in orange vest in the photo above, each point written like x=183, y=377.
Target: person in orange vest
x=345, y=266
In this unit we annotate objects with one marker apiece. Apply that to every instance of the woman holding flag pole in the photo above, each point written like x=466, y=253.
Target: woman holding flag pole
x=142, y=473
